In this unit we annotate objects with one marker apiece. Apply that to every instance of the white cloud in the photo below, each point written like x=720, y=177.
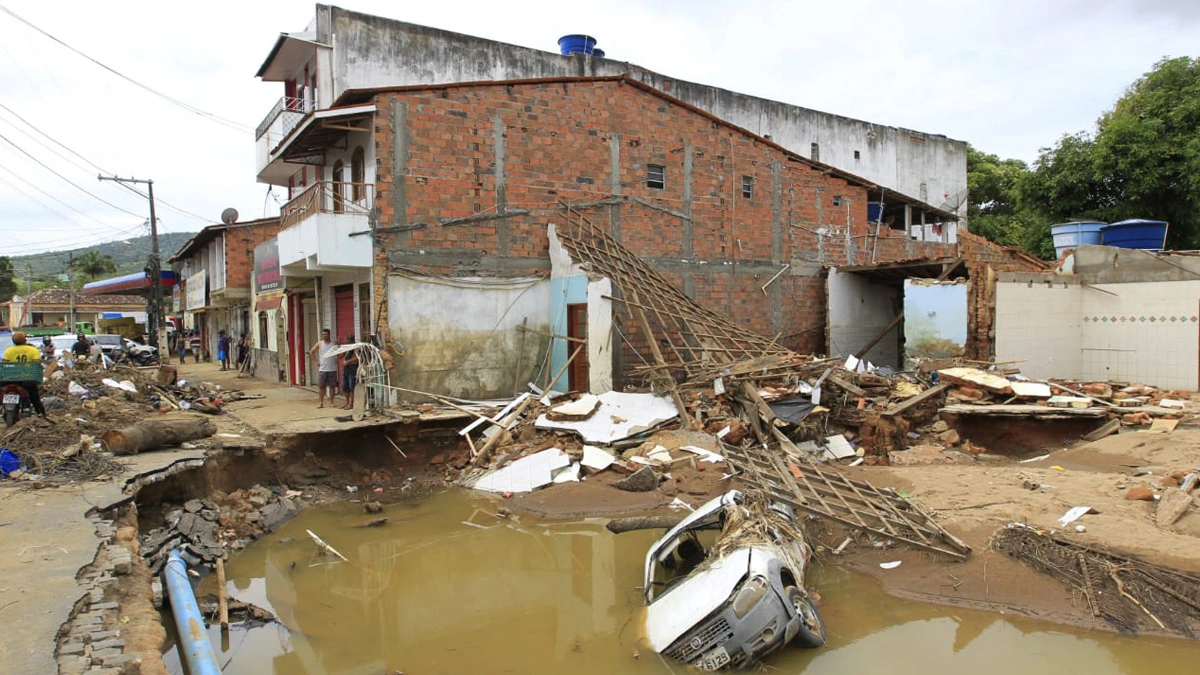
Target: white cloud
x=1009, y=77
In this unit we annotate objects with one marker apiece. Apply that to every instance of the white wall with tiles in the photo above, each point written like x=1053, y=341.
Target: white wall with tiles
x=1142, y=332
x=1038, y=327
x=1134, y=332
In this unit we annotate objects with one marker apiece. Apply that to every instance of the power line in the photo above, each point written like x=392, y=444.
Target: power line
x=90, y=163
x=30, y=184
x=237, y=126
x=41, y=246
x=68, y=180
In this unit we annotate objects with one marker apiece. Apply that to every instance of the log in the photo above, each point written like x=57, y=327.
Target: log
x=156, y=434
x=222, y=596
x=621, y=525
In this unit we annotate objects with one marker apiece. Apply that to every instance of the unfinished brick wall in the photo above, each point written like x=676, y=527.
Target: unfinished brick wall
x=984, y=259
x=239, y=250
x=466, y=153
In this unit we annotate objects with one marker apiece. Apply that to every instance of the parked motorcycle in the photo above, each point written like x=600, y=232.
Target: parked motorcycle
x=16, y=402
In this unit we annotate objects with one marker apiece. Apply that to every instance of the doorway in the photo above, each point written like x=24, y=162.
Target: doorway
x=577, y=329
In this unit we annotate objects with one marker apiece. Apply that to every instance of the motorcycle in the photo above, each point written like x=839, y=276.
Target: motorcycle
x=13, y=394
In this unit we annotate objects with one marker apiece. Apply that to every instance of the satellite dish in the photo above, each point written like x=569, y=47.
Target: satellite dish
x=229, y=216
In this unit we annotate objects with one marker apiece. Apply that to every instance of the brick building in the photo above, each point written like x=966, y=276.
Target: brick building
x=214, y=269
x=423, y=216
x=469, y=176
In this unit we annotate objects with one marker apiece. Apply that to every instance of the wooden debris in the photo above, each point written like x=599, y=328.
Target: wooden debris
x=326, y=547
x=1107, y=429
x=156, y=434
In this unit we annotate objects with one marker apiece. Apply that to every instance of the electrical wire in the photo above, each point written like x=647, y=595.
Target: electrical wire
x=237, y=126
x=67, y=180
x=90, y=163
x=52, y=197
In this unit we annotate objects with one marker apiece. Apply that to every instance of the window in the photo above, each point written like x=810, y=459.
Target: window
x=263, y=337
x=358, y=174
x=815, y=152
x=364, y=312
x=656, y=176
x=857, y=155
x=747, y=186
x=339, y=177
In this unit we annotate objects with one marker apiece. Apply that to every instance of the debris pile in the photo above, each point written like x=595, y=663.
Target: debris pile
x=1128, y=593
x=202, y=529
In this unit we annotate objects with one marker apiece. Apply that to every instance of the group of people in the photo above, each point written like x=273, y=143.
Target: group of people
x=191, y=339
x=327, y=371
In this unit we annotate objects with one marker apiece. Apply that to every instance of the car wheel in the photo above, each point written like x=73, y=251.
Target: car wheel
x=812, y=629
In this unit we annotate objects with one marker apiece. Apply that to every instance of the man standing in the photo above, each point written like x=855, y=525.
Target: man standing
x=82, y=349
x=349, y=374
x=223, y=349
x=327, y=371
x=181, y=343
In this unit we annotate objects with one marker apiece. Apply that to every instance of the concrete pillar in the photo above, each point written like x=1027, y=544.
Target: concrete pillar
x=501, y=190
x=688, y=246
x=614, y=184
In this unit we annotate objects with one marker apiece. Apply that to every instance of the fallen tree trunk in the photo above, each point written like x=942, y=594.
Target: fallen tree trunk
x=156, y=434
x=621, y=525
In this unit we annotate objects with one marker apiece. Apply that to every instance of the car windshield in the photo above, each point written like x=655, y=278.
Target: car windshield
x=674, y=556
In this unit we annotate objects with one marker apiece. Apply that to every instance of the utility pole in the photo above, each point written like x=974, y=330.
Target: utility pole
x=154, y=315
x=28, y=279
x=71, y=280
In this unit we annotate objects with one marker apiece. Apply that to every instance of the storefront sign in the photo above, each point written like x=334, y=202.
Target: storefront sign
x=197, y=290
x=267, y=276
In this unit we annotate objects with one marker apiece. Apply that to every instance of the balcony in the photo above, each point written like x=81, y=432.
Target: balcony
x=317, y=225
x=294, y=132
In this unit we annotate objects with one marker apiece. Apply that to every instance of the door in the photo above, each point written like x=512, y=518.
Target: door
x=343, y=312
x=311, y=335
x=577, y=371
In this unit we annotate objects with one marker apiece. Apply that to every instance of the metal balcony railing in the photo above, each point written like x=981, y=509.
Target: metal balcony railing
x=328, y=197
x=283, y=117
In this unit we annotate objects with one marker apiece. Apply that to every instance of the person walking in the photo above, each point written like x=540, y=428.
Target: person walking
x=194, y=343
x=327, y=370
x=243, y=352
x=181, y=344
x=349, y=374
x=223, y=349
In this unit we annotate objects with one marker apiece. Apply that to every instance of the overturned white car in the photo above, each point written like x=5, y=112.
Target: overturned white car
x=725, y=586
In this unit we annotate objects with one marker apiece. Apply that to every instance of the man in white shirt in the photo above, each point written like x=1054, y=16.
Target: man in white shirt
x=327, y=371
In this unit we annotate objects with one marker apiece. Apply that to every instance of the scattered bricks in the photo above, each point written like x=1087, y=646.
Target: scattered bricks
x=128, y=663
x=1098, y=389
x=98, y=655
x=1135, y=419
x=967, y=394
x=156, y=593
x=111, y=643
x=103, y=635
x=949, y=437
x=1140, y=493
x=122, y=565
x=95, y=595
x=102, y=606
x=71, y=649
x=104, y=671
x=73, y=664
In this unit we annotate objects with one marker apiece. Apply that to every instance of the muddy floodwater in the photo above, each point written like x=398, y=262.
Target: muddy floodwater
x=446, y=588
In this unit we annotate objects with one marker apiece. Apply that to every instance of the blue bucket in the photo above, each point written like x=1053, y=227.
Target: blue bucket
x=9, y=462
x=571, y=44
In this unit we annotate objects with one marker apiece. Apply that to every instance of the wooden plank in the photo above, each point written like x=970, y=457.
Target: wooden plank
x=916, y=400
x=1020, y=410
x=847, y=385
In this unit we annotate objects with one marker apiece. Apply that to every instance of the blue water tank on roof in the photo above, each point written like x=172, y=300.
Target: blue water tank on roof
x=1136, y=233
x=582, y=44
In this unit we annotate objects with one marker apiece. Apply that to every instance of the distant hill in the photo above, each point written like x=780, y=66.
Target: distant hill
x=130, y=255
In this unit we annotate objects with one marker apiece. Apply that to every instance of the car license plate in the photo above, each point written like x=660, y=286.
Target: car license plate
x=12, y=399
x=715, y=659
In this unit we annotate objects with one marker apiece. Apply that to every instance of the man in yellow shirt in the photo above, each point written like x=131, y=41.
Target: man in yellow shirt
x=23, y=352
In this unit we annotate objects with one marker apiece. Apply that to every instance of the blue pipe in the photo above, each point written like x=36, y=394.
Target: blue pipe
x=194, y=645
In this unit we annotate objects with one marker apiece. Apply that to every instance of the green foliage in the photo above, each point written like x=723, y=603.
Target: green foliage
x=129, y=255
x=94, y=263
x=997, y=208
x=8, y=284
x=1143, y=161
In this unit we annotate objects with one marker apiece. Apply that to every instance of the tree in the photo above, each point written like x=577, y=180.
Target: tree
x=1143, y=161
x=997, y=208
x=93, y=263
x=8, y=283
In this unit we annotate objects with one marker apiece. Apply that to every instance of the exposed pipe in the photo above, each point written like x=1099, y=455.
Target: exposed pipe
x=194, y=646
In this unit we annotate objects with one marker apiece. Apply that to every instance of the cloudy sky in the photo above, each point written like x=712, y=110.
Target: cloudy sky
x=1009, y=76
